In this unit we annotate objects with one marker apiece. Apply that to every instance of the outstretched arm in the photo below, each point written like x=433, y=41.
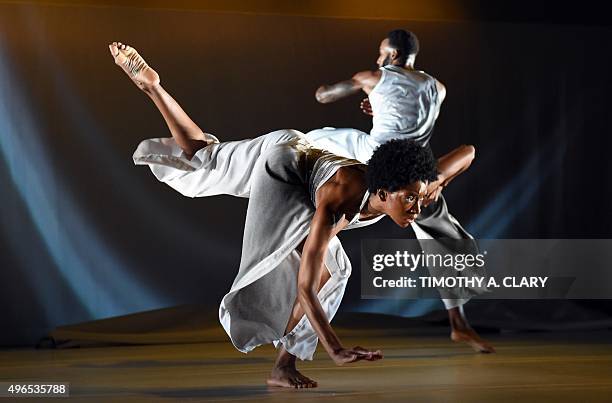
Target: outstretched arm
x=362, y=81
x=312, y=263
x=450, y=166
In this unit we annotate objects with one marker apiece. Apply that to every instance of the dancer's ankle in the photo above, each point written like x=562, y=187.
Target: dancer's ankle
x=152, y=89
x=284, y=359
x=457, y=321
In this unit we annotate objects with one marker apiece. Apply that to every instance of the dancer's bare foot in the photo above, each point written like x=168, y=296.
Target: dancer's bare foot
x=134, y=66
x=470, y=337
x=462, y=332
x=289, y=377
x=285, y=375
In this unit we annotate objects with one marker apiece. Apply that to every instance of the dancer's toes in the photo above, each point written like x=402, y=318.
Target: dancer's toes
x=306, y=381
x=298, y=383
x=114, y=50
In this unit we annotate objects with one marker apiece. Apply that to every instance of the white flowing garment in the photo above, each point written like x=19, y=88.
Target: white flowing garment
x=279, y=173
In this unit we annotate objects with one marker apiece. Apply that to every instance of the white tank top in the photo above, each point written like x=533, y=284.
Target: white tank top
x=405, y=105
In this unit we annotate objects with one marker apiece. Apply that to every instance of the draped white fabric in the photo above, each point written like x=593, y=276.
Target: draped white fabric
x=270, y=171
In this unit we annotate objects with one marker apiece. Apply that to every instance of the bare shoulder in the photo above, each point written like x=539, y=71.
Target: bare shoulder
x=343, y=193
x=352, y=175
x=367, y=78
x=441, y=90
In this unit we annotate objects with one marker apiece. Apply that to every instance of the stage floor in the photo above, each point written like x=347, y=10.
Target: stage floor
x=527, y=367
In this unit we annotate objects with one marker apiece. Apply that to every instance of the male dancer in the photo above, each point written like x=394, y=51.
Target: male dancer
x=404, y=103
x=293, y=270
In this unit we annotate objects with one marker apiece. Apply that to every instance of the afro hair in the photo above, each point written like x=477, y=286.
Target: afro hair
x=398, y=163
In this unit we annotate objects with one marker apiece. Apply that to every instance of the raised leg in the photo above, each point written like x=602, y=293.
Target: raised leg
x=185, y=132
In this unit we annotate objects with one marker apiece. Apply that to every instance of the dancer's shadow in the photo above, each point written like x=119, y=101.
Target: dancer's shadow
x=185, y=363
x=417, y=356
x=230, y=391
x=216, y=392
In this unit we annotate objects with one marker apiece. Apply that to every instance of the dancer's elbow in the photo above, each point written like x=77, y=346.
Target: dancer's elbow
x=469, y=151
x=321, y=95
x=307, y=289
x=305, y=294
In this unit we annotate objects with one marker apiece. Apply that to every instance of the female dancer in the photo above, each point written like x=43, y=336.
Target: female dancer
x=293, y=270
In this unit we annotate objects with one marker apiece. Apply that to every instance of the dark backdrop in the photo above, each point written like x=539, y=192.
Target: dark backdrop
x=85, y=235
